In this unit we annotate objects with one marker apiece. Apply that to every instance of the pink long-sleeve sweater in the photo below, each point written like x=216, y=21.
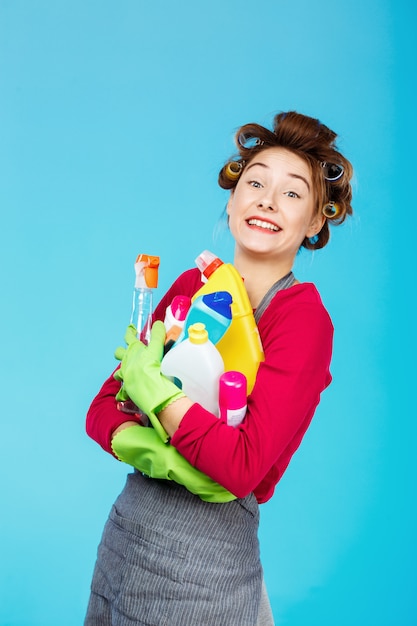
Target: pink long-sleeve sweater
x=296, y=334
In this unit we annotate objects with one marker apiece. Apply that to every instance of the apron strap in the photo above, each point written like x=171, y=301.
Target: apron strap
x=283, y=283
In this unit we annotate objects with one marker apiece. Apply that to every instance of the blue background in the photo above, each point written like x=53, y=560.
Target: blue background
x=114, y=121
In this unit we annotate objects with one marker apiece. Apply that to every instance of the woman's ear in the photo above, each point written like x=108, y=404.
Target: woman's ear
x=316, y=225
x=229, y=202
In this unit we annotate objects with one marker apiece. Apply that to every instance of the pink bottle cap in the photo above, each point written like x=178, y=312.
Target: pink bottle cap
x=232, y=390
x=180, y=306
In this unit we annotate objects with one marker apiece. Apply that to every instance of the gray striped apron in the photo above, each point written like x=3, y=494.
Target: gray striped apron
x=167, y=558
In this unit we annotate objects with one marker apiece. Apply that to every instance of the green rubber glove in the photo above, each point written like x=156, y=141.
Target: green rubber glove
x=142, y=447
x=140, y=372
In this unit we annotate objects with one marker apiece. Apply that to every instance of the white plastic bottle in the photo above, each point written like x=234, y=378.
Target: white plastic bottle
x=197, y=364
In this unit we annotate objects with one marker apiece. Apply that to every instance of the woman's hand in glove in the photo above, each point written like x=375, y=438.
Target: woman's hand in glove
x=140, y=372
x=141, y=447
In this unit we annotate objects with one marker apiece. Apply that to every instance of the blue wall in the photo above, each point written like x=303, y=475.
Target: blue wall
x=115, y=118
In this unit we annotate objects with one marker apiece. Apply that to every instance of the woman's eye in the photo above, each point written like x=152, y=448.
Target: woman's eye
x=292, y=194
x=255, y=183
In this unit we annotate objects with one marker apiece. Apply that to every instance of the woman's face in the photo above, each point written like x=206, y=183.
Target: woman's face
x=271, y=209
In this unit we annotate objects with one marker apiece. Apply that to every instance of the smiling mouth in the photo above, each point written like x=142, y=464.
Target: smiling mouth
x=261, y=224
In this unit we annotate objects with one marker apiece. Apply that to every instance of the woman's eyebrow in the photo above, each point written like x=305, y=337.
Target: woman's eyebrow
x=289, y=174
x=301, y=178
x=257, y=163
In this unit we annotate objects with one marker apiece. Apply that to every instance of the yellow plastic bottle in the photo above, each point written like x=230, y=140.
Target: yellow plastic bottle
x=240, y=347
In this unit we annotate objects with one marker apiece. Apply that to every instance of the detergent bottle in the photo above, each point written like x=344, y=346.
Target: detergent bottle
x=195, y=365
x=240, y=346
x=214, y=311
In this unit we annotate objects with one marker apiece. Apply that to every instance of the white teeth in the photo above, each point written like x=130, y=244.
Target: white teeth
x=262, y=224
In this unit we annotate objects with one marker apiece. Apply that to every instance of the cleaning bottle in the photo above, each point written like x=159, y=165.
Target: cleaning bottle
x=214, y=311
x=175, y=316
x=232, y=397
x=195, y=365
x=240, y=346
x=146, y=270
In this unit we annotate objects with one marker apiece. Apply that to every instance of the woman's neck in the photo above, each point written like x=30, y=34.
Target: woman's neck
x=259, y=274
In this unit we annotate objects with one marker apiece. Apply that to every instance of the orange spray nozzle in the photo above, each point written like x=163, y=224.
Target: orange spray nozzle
x=149, y=264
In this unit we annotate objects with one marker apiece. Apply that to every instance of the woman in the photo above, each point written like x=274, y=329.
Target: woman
x=168, y=556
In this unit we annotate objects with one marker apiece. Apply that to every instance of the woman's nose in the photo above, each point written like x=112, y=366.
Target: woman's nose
x=267, y=205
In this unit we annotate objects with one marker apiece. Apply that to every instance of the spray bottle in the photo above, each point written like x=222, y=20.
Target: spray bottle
x=240, y=346
x=146, y=270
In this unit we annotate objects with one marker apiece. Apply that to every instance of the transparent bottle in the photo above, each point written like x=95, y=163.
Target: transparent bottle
x=146, y=271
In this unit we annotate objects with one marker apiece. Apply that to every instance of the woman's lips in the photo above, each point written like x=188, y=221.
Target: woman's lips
x=265, y=224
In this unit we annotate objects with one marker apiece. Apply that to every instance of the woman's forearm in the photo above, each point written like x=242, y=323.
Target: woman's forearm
x=171, y=416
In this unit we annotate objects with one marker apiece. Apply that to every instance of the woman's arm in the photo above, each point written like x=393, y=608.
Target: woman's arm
x=103, y=416
x=297, y=344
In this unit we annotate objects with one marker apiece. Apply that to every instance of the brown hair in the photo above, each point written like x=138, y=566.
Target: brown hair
x=314, y=143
